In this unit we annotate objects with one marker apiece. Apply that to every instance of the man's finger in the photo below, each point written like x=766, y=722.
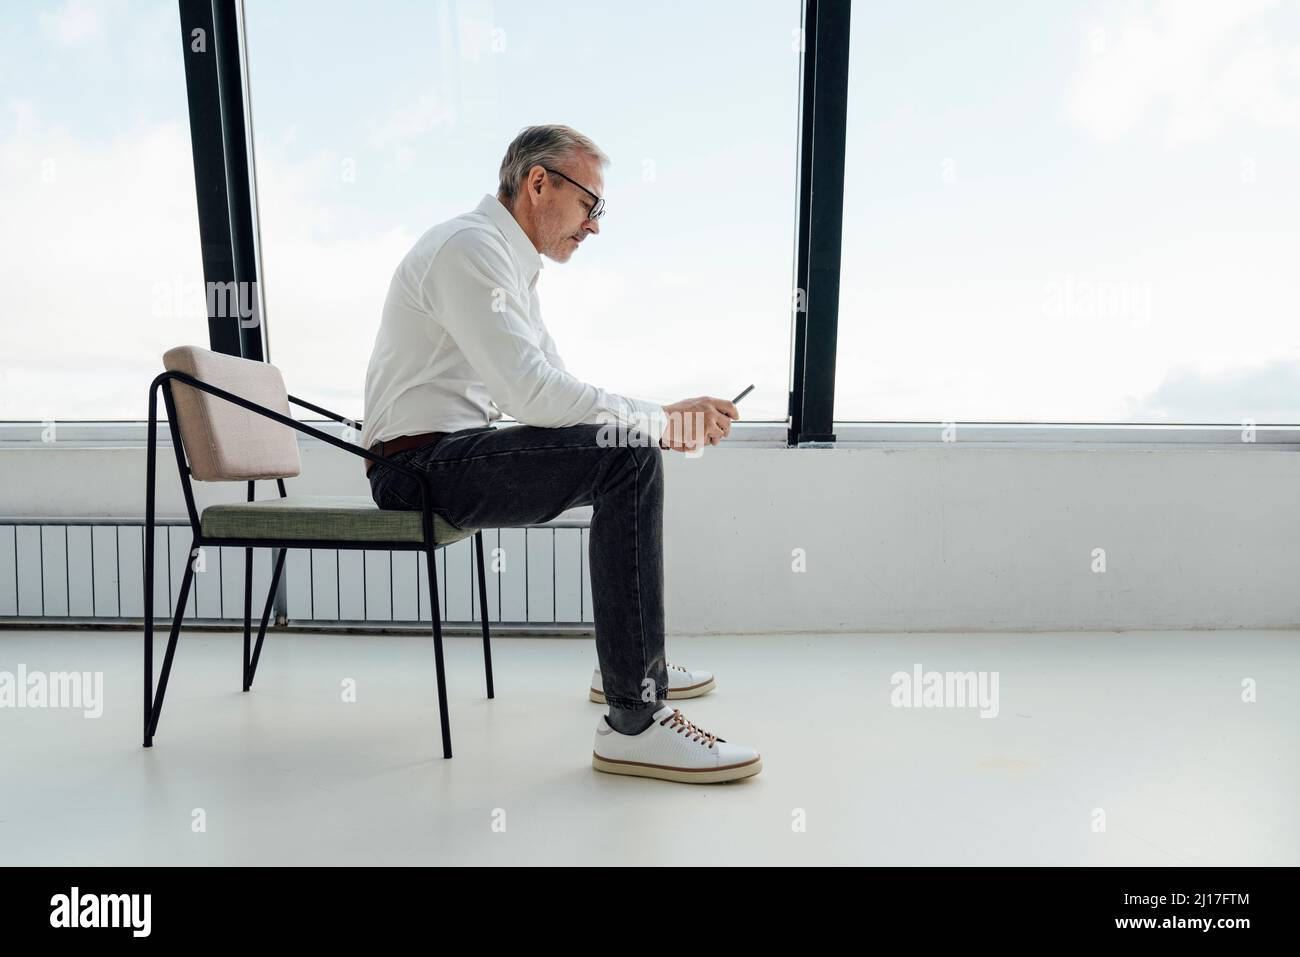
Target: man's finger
x=726, y=407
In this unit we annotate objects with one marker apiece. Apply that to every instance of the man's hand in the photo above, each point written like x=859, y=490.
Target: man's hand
x=696, y=423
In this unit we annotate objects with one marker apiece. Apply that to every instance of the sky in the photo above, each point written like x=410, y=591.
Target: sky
x=1077, y=211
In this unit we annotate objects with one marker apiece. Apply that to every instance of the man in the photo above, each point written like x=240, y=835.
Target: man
x=461, y=342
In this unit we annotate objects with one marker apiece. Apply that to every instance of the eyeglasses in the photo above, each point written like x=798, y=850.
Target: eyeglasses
x=598, y=207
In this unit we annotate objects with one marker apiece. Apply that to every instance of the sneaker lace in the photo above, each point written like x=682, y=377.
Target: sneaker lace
x=679, y=668
x=677, y=722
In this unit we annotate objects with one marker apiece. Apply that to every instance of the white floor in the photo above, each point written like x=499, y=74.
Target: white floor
x=1149, y=727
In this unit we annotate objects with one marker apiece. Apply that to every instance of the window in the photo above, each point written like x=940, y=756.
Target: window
x=100, y=258
x=372, y=128
x=1084, y=212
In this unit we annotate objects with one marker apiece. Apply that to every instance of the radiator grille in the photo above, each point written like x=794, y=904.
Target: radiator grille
x=91, y=570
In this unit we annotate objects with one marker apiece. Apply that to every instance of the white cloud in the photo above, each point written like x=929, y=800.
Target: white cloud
x=108, y=227
x=100, y=226
x=1264, y=393
x=324, y=280
x=74, y=23
x=1193, y=66
x=430, y=110
x=465, y=83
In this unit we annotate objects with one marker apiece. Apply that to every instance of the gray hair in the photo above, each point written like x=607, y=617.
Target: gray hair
x=547, y=145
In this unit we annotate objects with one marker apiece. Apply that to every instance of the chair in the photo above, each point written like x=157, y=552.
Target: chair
x=229, y=420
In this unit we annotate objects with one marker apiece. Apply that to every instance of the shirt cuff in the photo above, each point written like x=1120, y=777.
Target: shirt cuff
x=640, y=416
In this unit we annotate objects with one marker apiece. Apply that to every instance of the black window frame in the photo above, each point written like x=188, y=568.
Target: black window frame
x=220, y=138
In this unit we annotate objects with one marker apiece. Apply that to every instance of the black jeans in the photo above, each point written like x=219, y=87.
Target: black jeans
x=491, y=477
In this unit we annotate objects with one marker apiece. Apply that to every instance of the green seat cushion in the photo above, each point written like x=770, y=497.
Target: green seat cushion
x=350, y=518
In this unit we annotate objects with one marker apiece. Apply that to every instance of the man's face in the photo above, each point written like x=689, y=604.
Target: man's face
x=563, y=221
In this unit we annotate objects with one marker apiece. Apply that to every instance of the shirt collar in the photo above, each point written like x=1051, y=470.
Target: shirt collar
x=514, y=234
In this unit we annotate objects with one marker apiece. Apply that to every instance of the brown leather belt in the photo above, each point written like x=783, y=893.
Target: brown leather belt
x=403, y=442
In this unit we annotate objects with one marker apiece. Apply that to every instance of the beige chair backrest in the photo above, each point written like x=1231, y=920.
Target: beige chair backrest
x=226, y=442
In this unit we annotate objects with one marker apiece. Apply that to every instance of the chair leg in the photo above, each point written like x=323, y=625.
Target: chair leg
x=437, y=652
x=483, y=613
x=248, y=613
x=154, y=710
x=148, y=592
x=251, y=671
x=151, y=455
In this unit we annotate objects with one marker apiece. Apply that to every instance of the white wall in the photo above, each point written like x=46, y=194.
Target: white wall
x=952, y=537
x=937, y=537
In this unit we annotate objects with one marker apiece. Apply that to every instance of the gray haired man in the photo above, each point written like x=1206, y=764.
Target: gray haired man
x=461, y=343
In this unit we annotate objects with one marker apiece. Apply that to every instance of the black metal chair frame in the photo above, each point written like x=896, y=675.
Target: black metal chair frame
x=252, y=653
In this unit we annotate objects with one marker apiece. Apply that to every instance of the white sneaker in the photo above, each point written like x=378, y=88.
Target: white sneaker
x=673, y=749
x=682, y=683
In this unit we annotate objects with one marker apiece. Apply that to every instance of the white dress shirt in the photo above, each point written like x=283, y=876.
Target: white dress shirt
x=462, y=341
